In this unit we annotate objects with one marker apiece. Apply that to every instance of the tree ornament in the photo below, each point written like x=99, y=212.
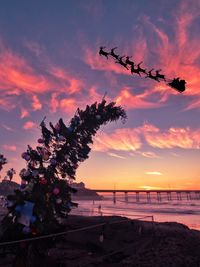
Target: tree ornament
x=40, y=140
x=32, y=219
x=56, y=191
x=26, y=213
x=98, y=117
x=59, y=201
x=18, y=208
x=53, y=162
x=26, y=230
x=61, y=138
x=35, y=173
x=26, y=173
x=23, y=184
x=43, y=181
x=26, y=156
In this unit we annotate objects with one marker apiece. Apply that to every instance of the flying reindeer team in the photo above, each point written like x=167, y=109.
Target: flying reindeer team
x=175, y=83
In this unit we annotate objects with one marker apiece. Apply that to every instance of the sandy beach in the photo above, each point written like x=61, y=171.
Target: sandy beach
x=119, y=241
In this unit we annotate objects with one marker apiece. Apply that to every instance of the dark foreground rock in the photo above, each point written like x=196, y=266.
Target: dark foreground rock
x=128, y=243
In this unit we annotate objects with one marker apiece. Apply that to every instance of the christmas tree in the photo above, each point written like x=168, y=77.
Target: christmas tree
x=44, y=198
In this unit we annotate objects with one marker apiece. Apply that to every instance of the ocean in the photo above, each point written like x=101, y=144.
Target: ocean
x=186, y=211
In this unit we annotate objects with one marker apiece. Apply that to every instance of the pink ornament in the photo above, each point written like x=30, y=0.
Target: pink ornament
x=56, y=191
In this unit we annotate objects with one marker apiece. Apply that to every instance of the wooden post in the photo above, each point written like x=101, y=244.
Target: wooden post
x=148, y=197
x=126, y=196
x=159, y=196
x=114, y=197
x=137, y=197
x=169, y=196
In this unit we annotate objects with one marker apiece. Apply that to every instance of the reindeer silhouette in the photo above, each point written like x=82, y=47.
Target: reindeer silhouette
x=121, y=62
x=133, y=70
x=102, y=52
x=112, y=53
x=161, y=76
x=149, y=75
x=128, y=61
x=141, y=69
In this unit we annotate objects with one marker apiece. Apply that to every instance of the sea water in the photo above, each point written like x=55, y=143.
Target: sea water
x=186, y=211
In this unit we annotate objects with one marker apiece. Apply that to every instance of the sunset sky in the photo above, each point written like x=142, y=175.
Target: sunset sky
x=49, y=66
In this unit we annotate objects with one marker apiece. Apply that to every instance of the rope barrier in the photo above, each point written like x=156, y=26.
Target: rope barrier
x=59, y=234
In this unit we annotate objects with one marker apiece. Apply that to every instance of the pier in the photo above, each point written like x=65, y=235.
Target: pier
x=160, y=195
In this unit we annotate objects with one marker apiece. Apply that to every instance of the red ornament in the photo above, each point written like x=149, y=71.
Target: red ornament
x=43, y=181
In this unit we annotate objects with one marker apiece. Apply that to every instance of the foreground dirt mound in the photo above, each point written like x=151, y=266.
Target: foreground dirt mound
x=128, y=243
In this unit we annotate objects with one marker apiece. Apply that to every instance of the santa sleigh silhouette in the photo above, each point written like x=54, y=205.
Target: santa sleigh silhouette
x=178, y=84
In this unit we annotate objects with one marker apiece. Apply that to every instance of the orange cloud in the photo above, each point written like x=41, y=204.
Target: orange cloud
x=121, y=140
x=153, y=173
x=29, y=125
x=116, y=155
x=36, y=104
x=9, y=147
x=128, y=139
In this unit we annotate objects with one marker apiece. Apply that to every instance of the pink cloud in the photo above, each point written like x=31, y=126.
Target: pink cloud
x=65, y=81
x=131, y=101
x=29, y=125
x=9, y=147
x=19, y=77
x=68, y=105
x=35, y=48
x=54, y=102
x=8, y=128
x=36, y=104
x=93, y=59
x=173, y=137
x=149, y=154
x=17, y=73
x=24, y=113
x=6, y=103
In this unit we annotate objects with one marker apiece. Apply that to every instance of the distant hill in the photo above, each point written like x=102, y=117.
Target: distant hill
x=84, y=193
x=7, y=187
